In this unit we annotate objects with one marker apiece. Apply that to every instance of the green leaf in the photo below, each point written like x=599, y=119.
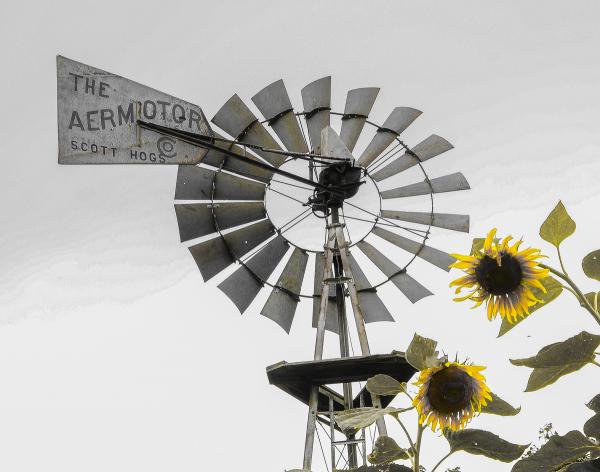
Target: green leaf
x=591, y=297
x=477, y=245
x=380, y=468
x=586, y=466
x=558, y=452
x=558, y=226
x=553, y=290
x=484, y=443
x=497, y=406
x=421, y=353
x=591, y=265
x=351, y=421
x=386, y=450
x=558, y=359
x=594, y=404
x=384, y=385
x=579, y=348
x=592, y=427
x=542, y=377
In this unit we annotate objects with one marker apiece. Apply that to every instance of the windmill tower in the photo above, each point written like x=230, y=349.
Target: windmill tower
x=231, y=190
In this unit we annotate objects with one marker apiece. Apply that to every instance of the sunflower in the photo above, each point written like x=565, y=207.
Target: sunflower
x=502, y=276
x=450, y=395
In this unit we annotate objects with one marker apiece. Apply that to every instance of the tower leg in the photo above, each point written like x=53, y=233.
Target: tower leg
x=358, y=315
x=311, y=422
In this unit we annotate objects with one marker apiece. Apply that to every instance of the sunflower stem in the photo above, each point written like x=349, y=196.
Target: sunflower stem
x=582, y=300
x=410, y=441
x=562, y=266
x=595, y=363
x=442, y=460
x=420, y=430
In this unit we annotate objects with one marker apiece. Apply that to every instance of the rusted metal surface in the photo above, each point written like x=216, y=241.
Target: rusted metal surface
x=216, y=254
x=400, y=118
x=372, y=306
x=434, y=256
x=274, y=103
x=243, y=285
x=316, y=99
x=196, y=183
x=411, y=289
x=197, y=219
x=428, y=148
x=216, y=159
x=359, y=103
x=446, y=183
x=440, y=220
x=235, y=118
x=98, y=113
x=281, y=304
x=331, y=323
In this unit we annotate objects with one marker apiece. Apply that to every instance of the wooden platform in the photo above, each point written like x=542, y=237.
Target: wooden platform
x=296, y=378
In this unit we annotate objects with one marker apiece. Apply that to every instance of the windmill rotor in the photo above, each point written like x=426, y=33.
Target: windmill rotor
x=223, y=193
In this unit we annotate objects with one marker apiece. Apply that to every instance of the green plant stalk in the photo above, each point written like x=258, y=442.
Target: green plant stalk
x=420, y=430
x=410, y=441
x=595, y=363
x=582, y=300
x=442, y=460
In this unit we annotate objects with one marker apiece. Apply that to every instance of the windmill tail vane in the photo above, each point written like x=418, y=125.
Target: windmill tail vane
x=231, y=187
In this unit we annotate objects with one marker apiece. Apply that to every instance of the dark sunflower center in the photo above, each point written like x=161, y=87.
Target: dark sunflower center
x=450, y=390
x=499, y=279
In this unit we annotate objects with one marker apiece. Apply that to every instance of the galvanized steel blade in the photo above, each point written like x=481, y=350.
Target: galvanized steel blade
x=236, y=119
x=331, y=320
x=446, y=183
x=196, y=183
x=439, y=220
x=244, y=284
x=430, y=147
x=216, y=254
x=411, y=289
x=316, y=98
x=372, y=307
x=218, y=159
x=198, y=219
x=274, y=103
x=281, y=304
x=434, y=256
x=359, y=103
x=332, y=145
x=394, y=125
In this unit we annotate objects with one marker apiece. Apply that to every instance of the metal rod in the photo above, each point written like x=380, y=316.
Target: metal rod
x=332, y=432
x=204, y=142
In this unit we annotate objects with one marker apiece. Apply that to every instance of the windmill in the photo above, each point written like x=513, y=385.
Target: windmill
x=230, y=188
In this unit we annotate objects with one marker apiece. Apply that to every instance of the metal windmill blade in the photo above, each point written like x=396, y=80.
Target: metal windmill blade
x=316, y=98
x=359, y=103
x=400, y=119
x=275, y=105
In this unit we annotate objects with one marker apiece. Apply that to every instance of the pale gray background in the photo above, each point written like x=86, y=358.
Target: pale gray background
x=109, y=335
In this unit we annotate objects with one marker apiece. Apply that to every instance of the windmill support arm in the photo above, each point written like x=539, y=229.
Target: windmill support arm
x=207, y=142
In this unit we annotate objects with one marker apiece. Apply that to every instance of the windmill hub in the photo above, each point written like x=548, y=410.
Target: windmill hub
x=343, y=179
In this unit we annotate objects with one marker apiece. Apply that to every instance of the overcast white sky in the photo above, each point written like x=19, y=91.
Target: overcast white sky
x=114, y=355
